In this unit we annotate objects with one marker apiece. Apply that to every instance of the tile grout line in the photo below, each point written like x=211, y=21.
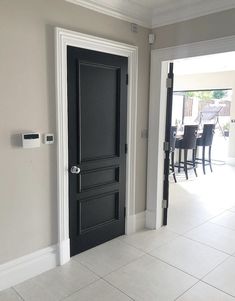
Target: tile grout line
x=118, y=289
x=200, y=279
x=229, y=257
x=75, y=292
x=171, y=265
x=124, y=243
x=18, y=294
x=163, y=244
x=206, y=221
x=102, y=277
x=222, y=226
x=201, y=224
x=191, y=239
x=186, y=291
x=130, y=245
x=82, y=264
x=126, y=264
x=205, y=245
x=216, y=288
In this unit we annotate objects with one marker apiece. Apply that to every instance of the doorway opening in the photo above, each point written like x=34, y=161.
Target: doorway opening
x=160, y=59
x=203, y=97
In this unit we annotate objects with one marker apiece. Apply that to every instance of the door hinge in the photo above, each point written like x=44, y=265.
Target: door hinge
x=166, y=146
x=127, y=79
x=164, y=204
x=126, y=148
x=169, y=83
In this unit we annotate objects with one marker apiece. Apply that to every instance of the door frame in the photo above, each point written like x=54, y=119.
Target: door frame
x=160, y=59
x=64, y=38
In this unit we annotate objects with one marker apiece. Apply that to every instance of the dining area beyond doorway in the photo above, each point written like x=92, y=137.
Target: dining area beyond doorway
x=197, y=134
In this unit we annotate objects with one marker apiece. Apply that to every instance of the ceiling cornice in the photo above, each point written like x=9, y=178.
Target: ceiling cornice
x=123, y=10
x=178, y=12
x=164, y=14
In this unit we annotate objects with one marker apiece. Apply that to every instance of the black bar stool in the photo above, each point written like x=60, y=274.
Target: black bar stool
x=172, y=150
x=206, y=140
x=188, y=143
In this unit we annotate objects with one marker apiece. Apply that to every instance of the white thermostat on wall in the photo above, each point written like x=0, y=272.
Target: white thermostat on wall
x=49, y=139
x=30, y=140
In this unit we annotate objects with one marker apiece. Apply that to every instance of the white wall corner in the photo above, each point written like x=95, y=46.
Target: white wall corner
x=140, y=220
x=135, y=222
x=26, y=267
x=150, y=220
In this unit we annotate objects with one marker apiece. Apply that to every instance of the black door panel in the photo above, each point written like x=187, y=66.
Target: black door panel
x=97, y=108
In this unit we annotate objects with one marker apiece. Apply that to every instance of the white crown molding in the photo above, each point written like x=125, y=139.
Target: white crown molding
x=170, y=14
x=123, y=10
x=26, y=267
x=164, y=14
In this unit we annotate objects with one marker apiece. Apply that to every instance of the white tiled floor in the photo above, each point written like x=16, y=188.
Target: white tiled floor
x=204, y=292
x=108, y=257
x=192, y=259
x=190, y=256
x=149, y=279
x=223, y=276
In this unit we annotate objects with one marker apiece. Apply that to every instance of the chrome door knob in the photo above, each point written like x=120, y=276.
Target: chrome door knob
x=75, y=170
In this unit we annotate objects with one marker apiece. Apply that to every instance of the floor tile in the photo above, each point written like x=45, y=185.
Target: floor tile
x=99, y=291
x=149, y=279
x=204, y=292
x=190, y=256
x=182, y=223
x=215, y=236
x=9, y=295
x=223, y=277
x=226, y=219
x=57, y=283
x=148, y=240
x=108, y=257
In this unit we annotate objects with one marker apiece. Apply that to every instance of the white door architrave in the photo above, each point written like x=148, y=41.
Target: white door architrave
x=64, y=38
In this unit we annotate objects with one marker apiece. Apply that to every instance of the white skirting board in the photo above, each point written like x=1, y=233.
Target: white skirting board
x=26, y=267
x=136, y=222
x=29, y=266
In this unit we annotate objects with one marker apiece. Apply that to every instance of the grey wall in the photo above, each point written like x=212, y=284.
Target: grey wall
x=199, y=29
x=28, y=201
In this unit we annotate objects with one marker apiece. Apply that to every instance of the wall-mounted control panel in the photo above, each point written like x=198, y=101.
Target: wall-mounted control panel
x=30, y=140
x=49, y=139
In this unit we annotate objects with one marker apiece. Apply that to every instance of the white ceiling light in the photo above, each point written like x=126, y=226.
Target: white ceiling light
x=154, y=13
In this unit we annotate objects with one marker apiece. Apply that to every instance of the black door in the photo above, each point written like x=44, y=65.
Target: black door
x=170, y=83
x=97, y=110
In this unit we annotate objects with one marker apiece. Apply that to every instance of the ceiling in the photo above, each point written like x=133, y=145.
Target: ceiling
x=205, y=64
x=154, y=13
